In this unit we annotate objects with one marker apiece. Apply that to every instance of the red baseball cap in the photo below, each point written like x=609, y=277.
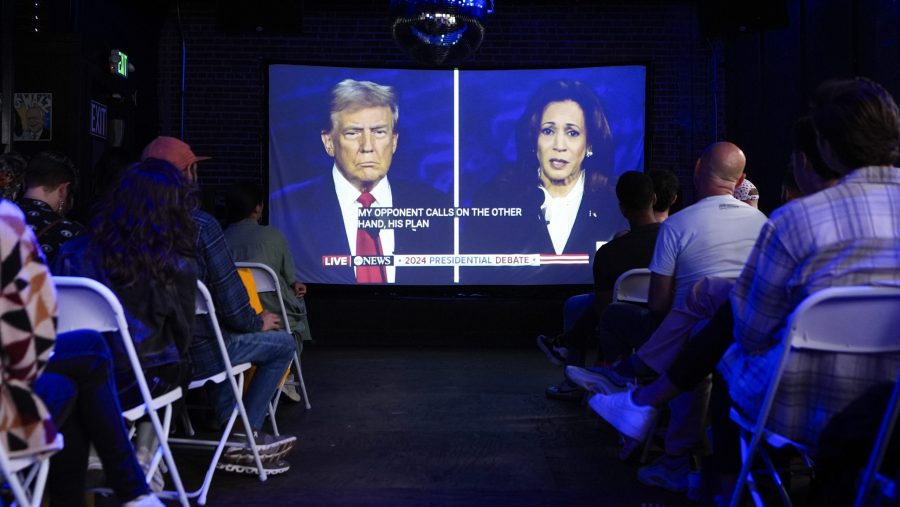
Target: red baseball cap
x=172, y=150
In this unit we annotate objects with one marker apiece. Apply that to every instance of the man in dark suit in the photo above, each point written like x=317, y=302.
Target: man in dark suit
x=34, y=123
x=338, y=223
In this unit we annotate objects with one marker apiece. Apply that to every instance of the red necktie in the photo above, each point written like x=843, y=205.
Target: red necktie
x=368, y=244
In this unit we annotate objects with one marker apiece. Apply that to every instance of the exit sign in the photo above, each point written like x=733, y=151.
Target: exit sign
x=98, y=119
x=118, y=63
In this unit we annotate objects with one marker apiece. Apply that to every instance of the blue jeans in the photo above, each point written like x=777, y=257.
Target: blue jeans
x=579, y=326
x=270, y=351
x=79, y=390
x=624, y=327
x=575, y=308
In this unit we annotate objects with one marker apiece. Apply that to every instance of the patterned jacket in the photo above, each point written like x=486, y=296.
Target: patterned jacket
x=27, y=335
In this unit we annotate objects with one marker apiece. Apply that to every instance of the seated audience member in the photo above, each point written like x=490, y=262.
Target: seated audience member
x=711, y=238
x=747, y=193
x=106, y=173
x=249, y=241
x=666, y=187
x=858, y=126
x=12, y=170
x=140, y=244
x=50, y=182
x=631, y=250
x=722, y=234
x=67, y=377
x=249, y=337
x=707, y=295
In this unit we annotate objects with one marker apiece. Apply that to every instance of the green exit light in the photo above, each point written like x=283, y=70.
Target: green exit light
x=118, y=63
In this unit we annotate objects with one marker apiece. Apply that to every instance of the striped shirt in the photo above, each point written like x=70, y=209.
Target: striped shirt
x=845, y=235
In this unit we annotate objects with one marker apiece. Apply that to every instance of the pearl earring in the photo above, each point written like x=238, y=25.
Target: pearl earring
x=589, y=153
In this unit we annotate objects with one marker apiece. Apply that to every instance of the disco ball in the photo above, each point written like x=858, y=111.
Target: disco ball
x=439, y=32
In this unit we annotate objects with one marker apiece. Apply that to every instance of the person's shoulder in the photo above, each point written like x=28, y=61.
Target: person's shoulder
x=633, y=235
x=799, y=208
x=76, y=244
x=680, y=219
x=202, y=216
x=651, y=229
x=207, y=223
x=272, y=232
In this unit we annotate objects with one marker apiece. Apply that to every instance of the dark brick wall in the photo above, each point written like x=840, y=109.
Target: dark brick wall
x=223, y=100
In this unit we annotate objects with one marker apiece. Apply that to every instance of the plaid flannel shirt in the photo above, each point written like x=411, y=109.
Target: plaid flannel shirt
x=845, y=235
x=217, y=271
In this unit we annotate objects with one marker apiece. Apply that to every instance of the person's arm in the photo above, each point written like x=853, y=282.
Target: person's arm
x=761, y=296
x=30, y=329
x=229, y=294
x=662, y=271
x=287, y=268
x=661, y=295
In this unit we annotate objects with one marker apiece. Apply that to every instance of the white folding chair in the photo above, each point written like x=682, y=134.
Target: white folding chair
x=234, y=375
x=845, y=320
x=632, y=286
x=267, y=281
x=27, y=474
x=87, y=304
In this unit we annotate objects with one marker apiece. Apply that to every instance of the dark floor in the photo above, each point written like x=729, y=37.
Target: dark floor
x=414, y=427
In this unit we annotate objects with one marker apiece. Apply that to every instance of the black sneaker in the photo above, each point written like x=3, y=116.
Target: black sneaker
x=565, y=391
x=555, y=352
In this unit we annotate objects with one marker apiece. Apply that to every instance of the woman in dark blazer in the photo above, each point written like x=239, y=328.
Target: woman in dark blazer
x=560, y=182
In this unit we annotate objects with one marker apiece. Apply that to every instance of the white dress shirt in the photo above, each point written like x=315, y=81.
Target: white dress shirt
x=560, y=213
x=347, y=196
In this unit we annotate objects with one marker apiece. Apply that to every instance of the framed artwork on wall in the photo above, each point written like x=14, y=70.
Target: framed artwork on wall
x=34, y=116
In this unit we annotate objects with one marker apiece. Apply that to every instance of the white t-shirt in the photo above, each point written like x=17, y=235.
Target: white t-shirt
x=712, y=237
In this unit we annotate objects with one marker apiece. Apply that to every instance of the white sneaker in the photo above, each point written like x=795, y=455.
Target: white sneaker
x=598, y=379
x=148, y=500
x=290, y=391
x=620, y=411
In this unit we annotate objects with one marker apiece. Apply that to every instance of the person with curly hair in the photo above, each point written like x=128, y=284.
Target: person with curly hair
x=140, y=244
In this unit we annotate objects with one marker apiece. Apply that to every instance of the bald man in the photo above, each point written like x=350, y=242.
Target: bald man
x=711, y=238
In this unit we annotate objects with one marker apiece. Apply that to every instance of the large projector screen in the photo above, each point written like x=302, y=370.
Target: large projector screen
x=487, y=177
